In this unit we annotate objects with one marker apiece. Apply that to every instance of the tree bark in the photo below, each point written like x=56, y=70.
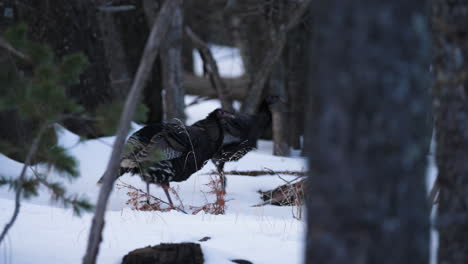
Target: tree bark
x=156, y=36
x=172, y=69
x=370, y=132
x=450, y=28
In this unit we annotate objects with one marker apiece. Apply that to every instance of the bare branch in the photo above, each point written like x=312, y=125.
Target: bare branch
x=113, y=9
x=5, y=45
x=19, y=187
x=153, y=44
x=224, y=93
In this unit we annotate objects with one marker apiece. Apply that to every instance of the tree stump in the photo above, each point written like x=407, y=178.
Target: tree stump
x=182, y=253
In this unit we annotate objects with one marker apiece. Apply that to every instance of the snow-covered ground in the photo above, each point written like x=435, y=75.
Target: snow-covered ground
x=46, y=233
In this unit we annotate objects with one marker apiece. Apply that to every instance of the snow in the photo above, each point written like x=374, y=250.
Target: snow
x=47, y=233
x=228, y=60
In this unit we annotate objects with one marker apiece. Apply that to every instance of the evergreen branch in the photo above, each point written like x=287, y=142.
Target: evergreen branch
x=58, y=194
x=19, y=189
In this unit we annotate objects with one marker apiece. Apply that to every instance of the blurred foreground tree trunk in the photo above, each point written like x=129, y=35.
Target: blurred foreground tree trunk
x=369, y=134
x=450, y=28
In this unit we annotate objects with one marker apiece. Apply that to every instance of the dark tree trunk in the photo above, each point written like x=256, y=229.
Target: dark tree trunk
x=153, y=98
x=172, y=69
x=296, y=75
x=120, y=78
x=278, y=111
x=370, y=133
x=450, y=28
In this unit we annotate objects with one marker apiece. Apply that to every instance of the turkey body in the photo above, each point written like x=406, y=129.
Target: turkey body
x=171, y=152
x=242, y=132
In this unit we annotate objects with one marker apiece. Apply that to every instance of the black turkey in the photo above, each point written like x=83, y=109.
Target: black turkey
x=241, y=135
x=171, y=152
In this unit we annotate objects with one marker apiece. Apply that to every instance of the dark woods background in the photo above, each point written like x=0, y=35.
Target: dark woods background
x=112, y=35
x=354, y=77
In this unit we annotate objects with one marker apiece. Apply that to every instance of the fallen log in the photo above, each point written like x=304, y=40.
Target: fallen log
x=284, y=195
x=182, y=253
x=254, y=173
x=199, y=85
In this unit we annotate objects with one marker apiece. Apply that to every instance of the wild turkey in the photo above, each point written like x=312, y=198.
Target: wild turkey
x=241, y=135
x=167, y=152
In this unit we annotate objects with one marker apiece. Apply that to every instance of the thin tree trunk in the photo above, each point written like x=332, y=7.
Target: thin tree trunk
x=278, y=111
x=156, y=36
x=224, y=94
x=172, y=69
x=370, y=133
x=450, y=28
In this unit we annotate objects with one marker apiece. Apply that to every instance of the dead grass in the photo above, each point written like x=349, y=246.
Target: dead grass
x=217, y=207
x=138, y=200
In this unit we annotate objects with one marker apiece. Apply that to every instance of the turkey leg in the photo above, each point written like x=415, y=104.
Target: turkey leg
x=166, y=191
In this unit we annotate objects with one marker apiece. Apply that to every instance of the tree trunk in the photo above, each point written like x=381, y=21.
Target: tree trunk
x=172, y=69
x=296, y=75
x=278, y=34
x=369, y=134
x=120, y=79
x=153, y=94
x=278, y=111
x=450, y=28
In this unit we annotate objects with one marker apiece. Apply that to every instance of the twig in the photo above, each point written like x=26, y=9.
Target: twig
x=128, y=186
x=224, y=93
x=114, y=9
x=19, y=188
x=158, y=31
x=197, y=100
